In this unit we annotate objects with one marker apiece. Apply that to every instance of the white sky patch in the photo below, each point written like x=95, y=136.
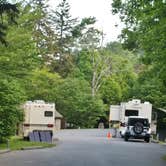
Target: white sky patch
x=101, y=9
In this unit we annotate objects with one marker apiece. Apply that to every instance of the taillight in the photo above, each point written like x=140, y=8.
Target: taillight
x=26, y=125
x=50, y=125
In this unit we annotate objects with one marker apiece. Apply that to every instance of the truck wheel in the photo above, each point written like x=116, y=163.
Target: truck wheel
x=121, y=134
x=126, y=138
x=147, y=140
x=138, y=128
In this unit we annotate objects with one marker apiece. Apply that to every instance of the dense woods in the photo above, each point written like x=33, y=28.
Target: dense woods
x=48, y=55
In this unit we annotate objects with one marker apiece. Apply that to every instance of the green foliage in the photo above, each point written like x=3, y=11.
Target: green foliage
x=95, y=65
x=111, y=91
x=78, y=29
x=150, y=88
x=77, y=105
x=145, y=30
x=8, y=13
x=42, y=84
x=123, y=70
x=10, y=113
x=83, y=63
x=21, y=54
x=164, y=157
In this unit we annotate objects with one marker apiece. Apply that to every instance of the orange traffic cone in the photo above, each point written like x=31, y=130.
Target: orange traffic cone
x=109, y=135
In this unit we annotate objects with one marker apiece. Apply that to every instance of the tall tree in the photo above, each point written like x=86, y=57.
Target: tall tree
x=63, y=24
x=43, y=34
x=85, y=35
x=21, y=55
x=101, y=67
x=95, y=65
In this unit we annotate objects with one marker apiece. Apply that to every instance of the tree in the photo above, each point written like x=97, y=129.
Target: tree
x=77, y=105
x=42, y=84
x=150, y=88
x=43, y=34
x=77, y=30
x=101, y=67
x=63, y=24
x=97, y=58
x=85, y=35
x=145, y=30
x=8, y=14
x=21, y=55
x=11, y=95
x=95, y=65
x=111, y=61
x=111, y=91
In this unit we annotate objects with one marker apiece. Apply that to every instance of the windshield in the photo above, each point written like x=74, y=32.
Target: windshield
x=133, y=121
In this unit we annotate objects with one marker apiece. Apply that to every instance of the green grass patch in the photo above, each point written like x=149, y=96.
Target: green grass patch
x=17, y=143
x=164, y=157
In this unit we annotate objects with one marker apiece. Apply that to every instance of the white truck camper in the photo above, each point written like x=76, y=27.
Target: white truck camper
x=40, y=116
x=119, y=114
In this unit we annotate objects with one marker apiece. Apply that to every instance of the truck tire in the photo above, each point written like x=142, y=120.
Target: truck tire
x=147, y=139
x=126, y=138
x=120, y=133
x=138, y=128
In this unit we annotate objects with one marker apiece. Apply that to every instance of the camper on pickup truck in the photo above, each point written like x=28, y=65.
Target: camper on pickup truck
x=126, y=110
x=40, y=116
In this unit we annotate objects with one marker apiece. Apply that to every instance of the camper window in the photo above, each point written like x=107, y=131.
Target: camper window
x=133, y=121
x=131, y=112
x=48, y=113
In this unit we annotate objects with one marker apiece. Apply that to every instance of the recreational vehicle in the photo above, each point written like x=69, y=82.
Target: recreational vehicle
x=134, y=109
x=40, y=116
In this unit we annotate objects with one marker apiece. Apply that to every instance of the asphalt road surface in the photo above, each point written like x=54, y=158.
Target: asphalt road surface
x=89, y=148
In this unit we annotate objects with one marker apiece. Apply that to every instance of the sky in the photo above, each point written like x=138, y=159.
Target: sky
x=101, y=9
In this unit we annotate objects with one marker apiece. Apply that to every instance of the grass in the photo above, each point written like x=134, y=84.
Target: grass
x=164, y=157
x=161, y=142
x=17, y=143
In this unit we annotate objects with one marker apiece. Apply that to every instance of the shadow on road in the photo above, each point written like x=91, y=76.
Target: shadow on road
x=136, y=140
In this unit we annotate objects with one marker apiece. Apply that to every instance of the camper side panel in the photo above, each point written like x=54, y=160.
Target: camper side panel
x=42, y=116
x=38, y=117
x=146, y=111
x=114, y=113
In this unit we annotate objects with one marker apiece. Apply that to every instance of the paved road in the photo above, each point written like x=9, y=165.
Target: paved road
x=89, y=148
